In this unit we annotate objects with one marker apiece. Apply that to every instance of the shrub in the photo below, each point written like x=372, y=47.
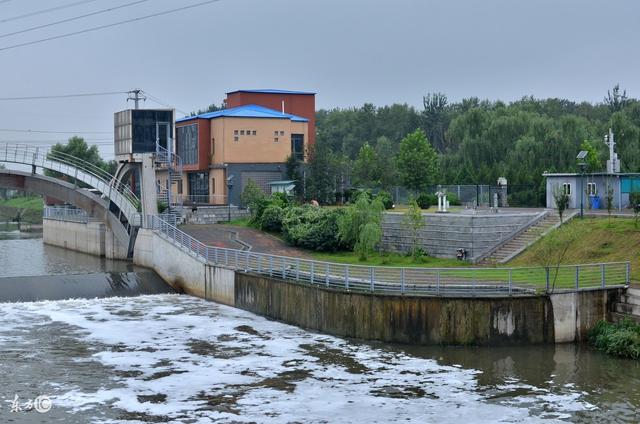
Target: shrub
x=271, y=218
x=621, y=339
x=312, y=228
x=361, y=225
x=453, y=199
x=425, y=201
x=385, y=198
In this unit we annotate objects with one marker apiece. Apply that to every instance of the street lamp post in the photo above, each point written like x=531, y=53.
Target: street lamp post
x=583, y=165
x=229, y=187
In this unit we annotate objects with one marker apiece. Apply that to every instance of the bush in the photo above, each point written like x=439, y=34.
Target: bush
x=385, y=198
x=425, y=201
x=621, y=339
x=271, y=218
x=312, y=228
x=453, y=200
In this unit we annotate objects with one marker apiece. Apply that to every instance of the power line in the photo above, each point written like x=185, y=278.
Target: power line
x=40, y=12
x=53, y=132
x=62, y=96
x=160, y=102
x=140, y=18
x=74, y=18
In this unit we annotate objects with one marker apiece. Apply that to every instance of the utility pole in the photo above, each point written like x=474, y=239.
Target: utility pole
x=136, y=95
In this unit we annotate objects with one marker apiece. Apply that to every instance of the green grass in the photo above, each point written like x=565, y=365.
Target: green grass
x=621, y=339
x=30, y=202
x=598, y=241
x=387, y=259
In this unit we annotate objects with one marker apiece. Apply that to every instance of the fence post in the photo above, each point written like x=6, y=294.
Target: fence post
x=602, y=275
x=577, y=277
x=628, y=270
x=510, y=281
x=346, y=277
x=402, y=280
x=546, y=271
x=371, y=277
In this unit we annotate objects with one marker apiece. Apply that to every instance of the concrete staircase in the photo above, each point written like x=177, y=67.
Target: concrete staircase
x=517, y=244
x=628, y=306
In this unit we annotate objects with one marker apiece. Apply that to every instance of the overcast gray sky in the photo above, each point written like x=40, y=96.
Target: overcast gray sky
x=348, y=51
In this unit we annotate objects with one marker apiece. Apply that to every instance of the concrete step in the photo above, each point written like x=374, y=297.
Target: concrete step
x=618, y=317
x=627, y=308
x=630, y=299
x=633, y=292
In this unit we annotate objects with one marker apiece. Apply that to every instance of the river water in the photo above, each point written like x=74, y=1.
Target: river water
x=157, y=356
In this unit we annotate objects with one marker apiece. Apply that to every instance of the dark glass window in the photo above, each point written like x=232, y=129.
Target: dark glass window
x=187, y=144
x=297, y=146
x=198, y=183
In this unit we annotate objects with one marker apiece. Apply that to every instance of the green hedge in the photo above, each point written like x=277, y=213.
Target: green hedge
x=621, y=339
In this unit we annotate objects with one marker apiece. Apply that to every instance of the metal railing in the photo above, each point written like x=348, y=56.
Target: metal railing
x=117, y=192
x=482, y=281
x=65, y=214
x=204, y=199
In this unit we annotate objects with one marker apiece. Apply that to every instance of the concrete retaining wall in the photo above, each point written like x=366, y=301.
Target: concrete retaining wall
x=559, y=318
x=93, y=237
x=442, y=234
x=211, y=214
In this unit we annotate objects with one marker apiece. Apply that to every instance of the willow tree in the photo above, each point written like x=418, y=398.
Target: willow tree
x=361, y=225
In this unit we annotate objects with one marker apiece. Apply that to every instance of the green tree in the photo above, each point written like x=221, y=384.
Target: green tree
x=365, y=167
x=593, y=161
x=254, y=198
x=417, y=161
x=561, y=198
x=551, y=252
x=413, y=221
x=634, y=202
x=76, y=150
x=361, y=225
x=385, y=151
x=608, y=200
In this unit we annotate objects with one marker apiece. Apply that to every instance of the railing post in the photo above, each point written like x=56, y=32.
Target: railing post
x=346, y=277
x=510, y=282
x=311, y=278
x=546, y=271
x=371, y=279
x=270, y=266
x=402, y=280
x=246, y=261
x=473, y=283
x=284, y=268
x=602, y=275
x=438, y=282
x=297, y=269
x=226, y=257
x=259, y=258
x=326, y=276
x=236, y=264
x=628, y=271
x=577, y=277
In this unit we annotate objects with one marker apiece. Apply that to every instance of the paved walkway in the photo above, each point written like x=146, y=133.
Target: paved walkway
x=222, y=235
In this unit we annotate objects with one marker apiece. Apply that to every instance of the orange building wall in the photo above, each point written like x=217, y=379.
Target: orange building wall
x=259, y=148
x=303, y=105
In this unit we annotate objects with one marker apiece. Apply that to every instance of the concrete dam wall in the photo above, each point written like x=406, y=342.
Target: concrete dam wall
x=507, y=320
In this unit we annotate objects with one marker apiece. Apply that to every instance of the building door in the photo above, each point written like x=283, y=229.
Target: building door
x=199, y=187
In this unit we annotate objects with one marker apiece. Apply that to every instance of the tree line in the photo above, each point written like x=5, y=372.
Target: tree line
x=468, y=142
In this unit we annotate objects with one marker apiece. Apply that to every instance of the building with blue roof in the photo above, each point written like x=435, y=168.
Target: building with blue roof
x=251, y=139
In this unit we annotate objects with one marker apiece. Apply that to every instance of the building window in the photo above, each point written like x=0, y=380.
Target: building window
x=180, y=187
x=254, y=132
x=187, y=144
x=248, y=132
x=235, y=132
x=275, y=133
x=236, y=138
x=591, y=189
x=281, y=133
x=213, y=186
x=276, y=140
x=297, y=146
x=199, y=185
x=566, y=188
x=241, y=132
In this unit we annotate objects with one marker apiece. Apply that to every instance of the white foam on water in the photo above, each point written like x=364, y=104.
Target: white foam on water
x=216, y=363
